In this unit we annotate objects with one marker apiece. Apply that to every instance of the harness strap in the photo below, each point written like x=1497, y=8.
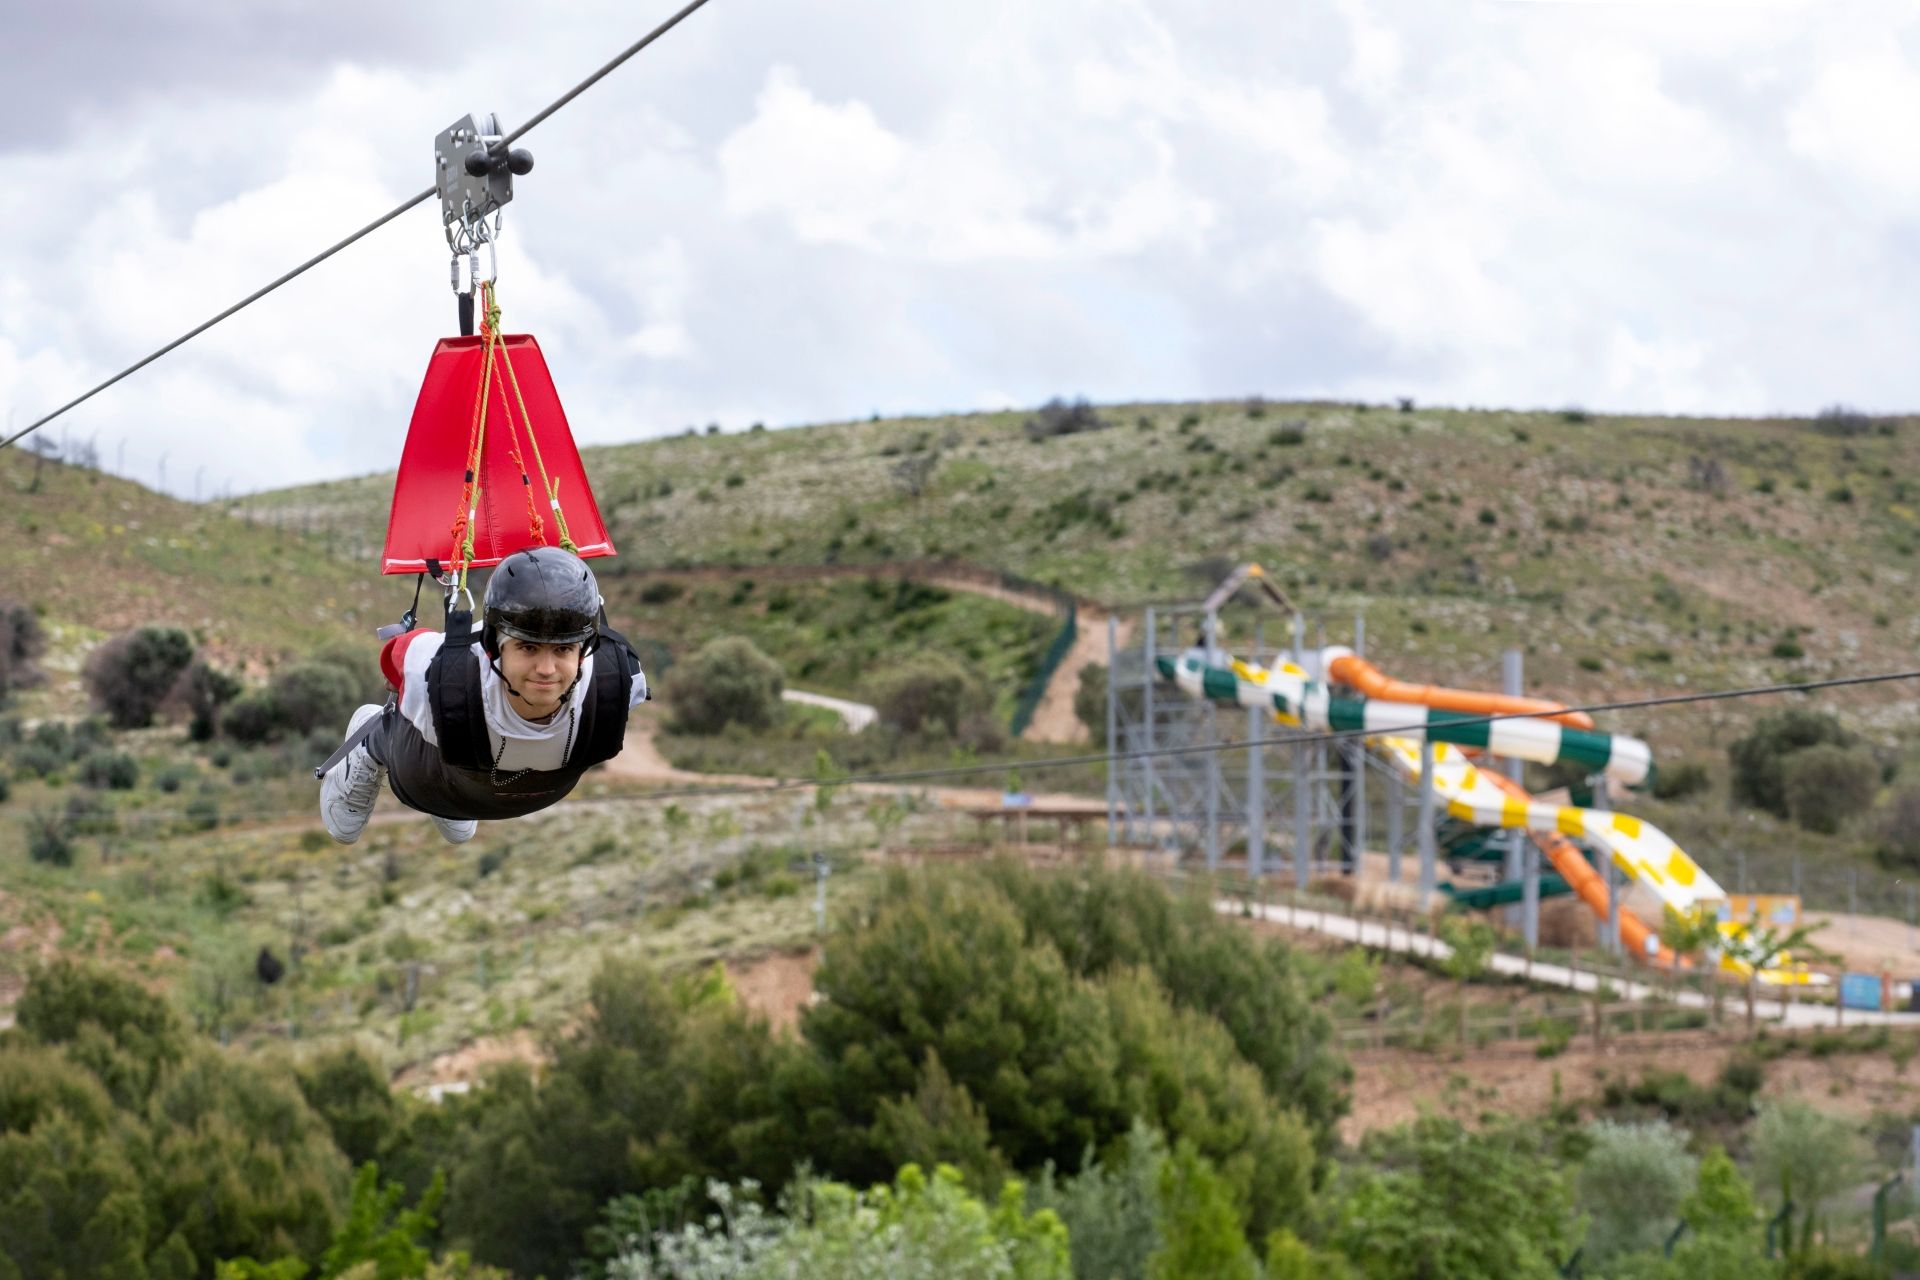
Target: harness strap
x=357, y=737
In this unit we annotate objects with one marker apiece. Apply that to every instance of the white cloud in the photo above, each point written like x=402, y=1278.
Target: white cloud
x=943, y=208
x=1854, y=122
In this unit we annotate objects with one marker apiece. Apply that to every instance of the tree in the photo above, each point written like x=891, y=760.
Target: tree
x=728, y=681
x=1441, y=1200
x=1759, y=777
x=1101, y=921
x=1201, y=1223
x=1632, y=1181
x=1808, y=1155
x=203, y=689
x=940, y=1123
x=1761, y=947
x=660, y=1081
x=927, y=689
x=1827, y=784
x=1112, y=1209
x=917, y=1225
x=130, y=675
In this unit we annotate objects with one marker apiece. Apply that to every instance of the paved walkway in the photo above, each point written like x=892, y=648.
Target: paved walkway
x=1388, y=937
x=856, y=715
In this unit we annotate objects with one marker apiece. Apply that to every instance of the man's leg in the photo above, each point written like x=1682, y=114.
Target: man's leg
x=349, y=789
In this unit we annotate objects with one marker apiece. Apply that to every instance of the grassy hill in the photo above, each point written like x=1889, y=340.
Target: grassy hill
x=1628, y=554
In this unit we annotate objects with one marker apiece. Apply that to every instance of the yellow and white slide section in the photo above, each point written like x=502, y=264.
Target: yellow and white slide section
x=1637, y=847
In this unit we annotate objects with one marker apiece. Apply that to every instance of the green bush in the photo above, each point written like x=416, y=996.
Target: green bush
x=312, y=696
x=252, y=718
x=1759, y=775
x=6, y=788
x=728, y=681
x=1680, y=780
x=48, y=841
x=1632, y=1183
x=130, y=675
x=1437, y=1199
x=204, y=690
x=37, y=761
x=22, y=639
x=1805, y=1155
x=920, y=1225
x=133, y=1149
x=926, y=690
x=1826, y=784
x=658, y=1082
x=1059, y=417
x=110, y=770
x=1058, y=1061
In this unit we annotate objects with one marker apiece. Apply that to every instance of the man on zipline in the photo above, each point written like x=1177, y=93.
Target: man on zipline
x=499, y=725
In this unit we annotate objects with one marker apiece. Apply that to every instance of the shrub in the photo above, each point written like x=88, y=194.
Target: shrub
x=1788, y=649
x=1680, y=780
x=252, y=718
x=47, y=841
x=1059, y=417
x=661, y=592
x=310, y=696
x=728, y=681
x=1441, y=1200
x=110, y=770
x=1288, y=435
x=1759, y=778
x=1827, y=784
x=1806, y=1155
x=203, y=690
x=89, y=815
x=6, y=789
x=920, y=1225
x=203, y=813
x=1632, y=1183
x=927, y=689
x=37, y=761
x=1897, y=828
x=130, y=675
x=194, y=1156
x=21, y=641
x=1842, y=420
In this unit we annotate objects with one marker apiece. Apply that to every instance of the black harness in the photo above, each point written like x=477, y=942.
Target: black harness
x=459, y=710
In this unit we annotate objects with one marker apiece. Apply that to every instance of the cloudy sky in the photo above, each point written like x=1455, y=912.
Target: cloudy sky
x=794, y=212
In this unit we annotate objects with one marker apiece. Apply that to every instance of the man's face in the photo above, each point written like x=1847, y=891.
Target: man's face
x=541, y=672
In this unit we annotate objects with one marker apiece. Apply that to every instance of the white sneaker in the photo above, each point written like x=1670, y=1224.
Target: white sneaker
x=455, y=830
x=348, y=791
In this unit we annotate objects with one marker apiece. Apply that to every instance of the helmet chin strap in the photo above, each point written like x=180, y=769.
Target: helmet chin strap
x=493, y=661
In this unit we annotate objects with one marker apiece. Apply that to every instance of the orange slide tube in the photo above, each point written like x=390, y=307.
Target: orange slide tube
x=1350, y=669
x=1583, y=879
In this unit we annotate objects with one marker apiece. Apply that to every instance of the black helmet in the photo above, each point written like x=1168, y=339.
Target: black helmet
x=542, y=595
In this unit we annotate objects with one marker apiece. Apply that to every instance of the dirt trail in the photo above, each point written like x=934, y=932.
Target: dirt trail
x=640, y=761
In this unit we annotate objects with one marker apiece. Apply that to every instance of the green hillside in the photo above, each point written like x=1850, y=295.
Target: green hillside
x=1628, y=554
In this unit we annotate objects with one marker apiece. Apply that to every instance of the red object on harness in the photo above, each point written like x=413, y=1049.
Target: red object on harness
x=429, y=491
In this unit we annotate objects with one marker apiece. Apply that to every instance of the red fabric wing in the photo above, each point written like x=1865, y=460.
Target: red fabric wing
x=427, y=494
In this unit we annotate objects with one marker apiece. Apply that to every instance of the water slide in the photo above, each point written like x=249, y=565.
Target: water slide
x=1399, y=715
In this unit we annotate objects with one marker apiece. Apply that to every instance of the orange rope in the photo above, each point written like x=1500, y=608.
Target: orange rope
x=464, y=518
x=550, y=487
x=535, y=526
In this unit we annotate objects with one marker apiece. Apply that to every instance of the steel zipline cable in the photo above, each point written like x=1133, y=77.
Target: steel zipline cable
x=774, y=786
x=381, y=221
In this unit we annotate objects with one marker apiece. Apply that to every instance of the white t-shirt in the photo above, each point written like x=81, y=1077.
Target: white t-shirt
x=515, y=742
